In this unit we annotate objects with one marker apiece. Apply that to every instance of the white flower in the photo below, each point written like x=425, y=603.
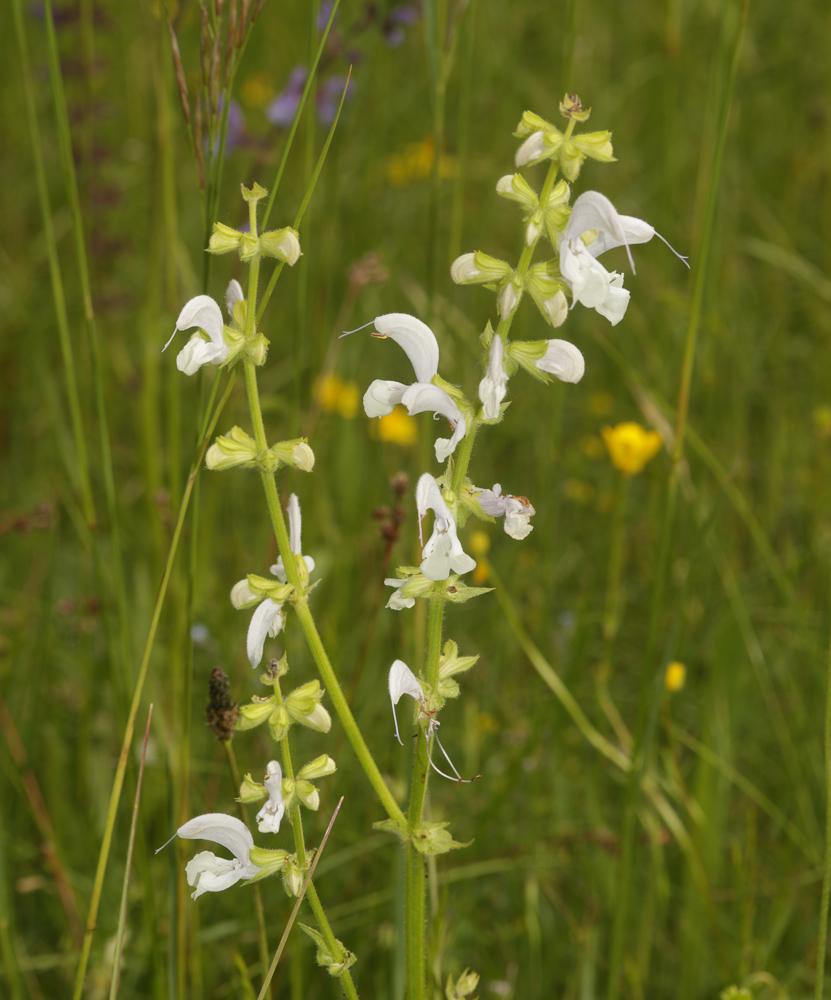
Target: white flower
x=562, y=360
x=442, y=554
x=203, y=312
x=532, y=150
x=508, y=299
x=591, y=284
x=206, y=872
x=517, y=511
x=401, y=681
x=398, y=600
x=419, y=343
x=493, y=387
x=269, y=817
x=269, y=618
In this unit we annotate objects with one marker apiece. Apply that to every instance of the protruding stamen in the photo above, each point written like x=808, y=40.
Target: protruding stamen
x=348, y=333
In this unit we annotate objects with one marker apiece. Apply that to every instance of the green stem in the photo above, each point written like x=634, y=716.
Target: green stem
x=64, y=336
x=416, y=876
x=281, y=535
x=236, y=781
x=138, y=690
x=416, y=880
x=306, y=618
x=71, y=185
x=296, y=820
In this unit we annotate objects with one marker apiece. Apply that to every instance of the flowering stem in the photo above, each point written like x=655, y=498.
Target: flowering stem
x=416, y=881
x=296, y=821
x=306, y=619
x=527, y=254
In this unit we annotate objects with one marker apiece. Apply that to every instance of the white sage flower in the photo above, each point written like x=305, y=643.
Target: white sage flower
x=494, y=385
x=204, y=313
x=400, y=681
x=562, y=360
x=442, y=553
x=207, y=872
x=269, y=617
x=398, y=600
x=594, y=227
x=517, y=511
x=271, y=814
x=419, y=343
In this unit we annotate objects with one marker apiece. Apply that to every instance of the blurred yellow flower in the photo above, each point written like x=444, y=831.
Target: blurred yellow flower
x=601, y=403
x=478, y=544
x=822, y=421
x=398, y=427
x=257, y=91
x=415, y=163
x=335, y=395
x=631, y=446
x=675, y=676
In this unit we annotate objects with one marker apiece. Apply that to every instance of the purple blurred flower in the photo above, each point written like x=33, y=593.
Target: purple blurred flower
x=328, y=97
x=323, y=14
x=236, y=128
x=282, y=109
x=396, y=23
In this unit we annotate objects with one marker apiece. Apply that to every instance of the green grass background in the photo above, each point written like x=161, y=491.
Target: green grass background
x=732, y=894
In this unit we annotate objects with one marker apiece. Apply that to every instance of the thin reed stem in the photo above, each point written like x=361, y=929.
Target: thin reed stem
x=64, y=335
x=648, y=711
x=67, y=160
x=298, y=903
x=213, y=413
x=296, y=820
x=122, y=909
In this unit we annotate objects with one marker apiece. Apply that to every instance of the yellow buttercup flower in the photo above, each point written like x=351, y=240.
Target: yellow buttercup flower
x=675, y=676
x=398, y=427
x=335, y=395
x=631, y=446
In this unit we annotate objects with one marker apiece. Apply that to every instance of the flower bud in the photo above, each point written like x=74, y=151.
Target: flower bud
x=478, y=269
x=224, y=239
x=254, y=713
x=548, y=292
x=320, y=767
x=295, y=453
x=250, y=790
x=283, y=244
x=514, y=187
x=232, y=450
x=292, y=876
x=269, y=860
x=508, y=298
